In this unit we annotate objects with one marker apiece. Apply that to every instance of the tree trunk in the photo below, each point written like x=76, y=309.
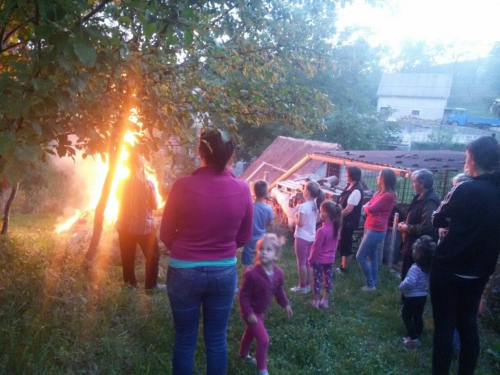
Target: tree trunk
x=5, y=226
x=114, y=157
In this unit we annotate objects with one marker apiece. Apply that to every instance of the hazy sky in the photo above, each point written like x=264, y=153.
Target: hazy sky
x=471, y=25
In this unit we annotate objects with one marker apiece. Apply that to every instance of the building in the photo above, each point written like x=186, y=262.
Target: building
x=414, y=96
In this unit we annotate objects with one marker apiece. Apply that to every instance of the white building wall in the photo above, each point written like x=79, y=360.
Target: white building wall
x=430, y=108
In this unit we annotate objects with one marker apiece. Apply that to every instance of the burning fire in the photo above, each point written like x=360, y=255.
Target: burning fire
x=99, y=174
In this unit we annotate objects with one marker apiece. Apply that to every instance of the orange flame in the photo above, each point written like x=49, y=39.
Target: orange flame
x=99, y=174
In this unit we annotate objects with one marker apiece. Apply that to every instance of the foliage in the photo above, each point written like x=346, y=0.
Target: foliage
x=56, y=320
x=77, y=68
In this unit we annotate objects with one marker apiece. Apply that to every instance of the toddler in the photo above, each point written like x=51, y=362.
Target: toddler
x=259, y=285
x=323, y=251
x=414, y=288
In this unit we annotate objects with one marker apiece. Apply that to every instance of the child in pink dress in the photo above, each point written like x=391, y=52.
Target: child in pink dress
x=259, y=285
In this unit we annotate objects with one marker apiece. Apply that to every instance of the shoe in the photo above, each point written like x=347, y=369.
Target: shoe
x=416, y=343
x=302, y=290
x=323, y=305
x=338, y=270
x=263, y=372
x=406, y=342
x=248, y=359
x=369, y=288
x=315, y=304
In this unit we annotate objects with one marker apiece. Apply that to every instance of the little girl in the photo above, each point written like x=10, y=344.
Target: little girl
x=259, y=285
x=323, y=251
x=305, y=228
x=414, y=288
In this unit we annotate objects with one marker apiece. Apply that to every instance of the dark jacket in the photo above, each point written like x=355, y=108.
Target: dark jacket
x=351, y=221
x=257, y=291
x=471, y=211
x=419, y=219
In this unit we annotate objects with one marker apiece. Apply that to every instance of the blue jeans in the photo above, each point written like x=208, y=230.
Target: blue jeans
x=188, y=289
x=369, y=249
x=248, y=253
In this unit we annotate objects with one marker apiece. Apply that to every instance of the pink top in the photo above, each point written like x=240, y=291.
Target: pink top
x=378, y=210
x=258, y=289
x=208, y=215
x=324, y=247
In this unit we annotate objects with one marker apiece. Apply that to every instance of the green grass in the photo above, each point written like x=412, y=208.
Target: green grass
x=57, y=319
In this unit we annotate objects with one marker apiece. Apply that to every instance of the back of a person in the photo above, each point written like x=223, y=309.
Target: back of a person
x=262, y=213
x=209, y=215
x=135, y=213
x=471, y=246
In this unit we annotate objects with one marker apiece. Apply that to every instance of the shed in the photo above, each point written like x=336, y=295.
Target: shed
x=413, y=96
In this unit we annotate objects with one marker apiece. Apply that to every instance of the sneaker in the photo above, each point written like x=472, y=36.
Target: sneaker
x=416, y=343
x=315, y=304
x=323, y=305
x=369, y=288
x=248, y=359
x=407, y=342
x=302, y=290
x=263, y=372
x=338, y=270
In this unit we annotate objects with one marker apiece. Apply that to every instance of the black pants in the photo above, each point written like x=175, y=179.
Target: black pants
x=413, y=310
x=149, y=246
x=455, y=301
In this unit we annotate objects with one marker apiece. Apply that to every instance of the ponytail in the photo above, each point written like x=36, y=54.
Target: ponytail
x=316, y=192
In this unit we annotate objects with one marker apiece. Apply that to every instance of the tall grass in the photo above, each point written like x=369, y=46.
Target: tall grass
x=57, y=319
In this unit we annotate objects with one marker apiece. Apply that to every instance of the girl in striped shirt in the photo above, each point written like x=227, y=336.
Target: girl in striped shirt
x=414, y=288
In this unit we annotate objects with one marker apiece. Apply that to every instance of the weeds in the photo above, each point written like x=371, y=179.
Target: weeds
x=56, y=319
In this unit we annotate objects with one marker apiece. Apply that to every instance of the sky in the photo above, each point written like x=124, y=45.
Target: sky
x=471, y=25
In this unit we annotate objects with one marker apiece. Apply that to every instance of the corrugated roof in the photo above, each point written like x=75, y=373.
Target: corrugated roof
x=283, y=154
x=435, y=160
x=415, y=85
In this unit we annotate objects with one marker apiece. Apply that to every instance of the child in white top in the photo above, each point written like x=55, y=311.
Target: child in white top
x=305, y=229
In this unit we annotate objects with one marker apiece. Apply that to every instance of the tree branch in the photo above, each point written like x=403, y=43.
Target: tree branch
x=10, y=47
x=97, y=9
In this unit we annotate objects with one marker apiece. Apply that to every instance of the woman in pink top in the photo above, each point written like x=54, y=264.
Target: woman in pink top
x=377, y=212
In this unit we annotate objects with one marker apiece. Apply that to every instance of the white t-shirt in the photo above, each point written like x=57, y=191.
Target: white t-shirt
x=309, y=212
x=354, y=198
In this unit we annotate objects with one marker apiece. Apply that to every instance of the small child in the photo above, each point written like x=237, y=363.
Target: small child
x=259, y=285
x=323, y=251
x=414, y=288
x=262, y=216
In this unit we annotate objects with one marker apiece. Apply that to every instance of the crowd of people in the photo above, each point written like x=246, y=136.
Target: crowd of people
x=449, y=249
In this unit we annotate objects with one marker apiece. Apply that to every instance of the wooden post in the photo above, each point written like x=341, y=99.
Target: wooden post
x=393, y=239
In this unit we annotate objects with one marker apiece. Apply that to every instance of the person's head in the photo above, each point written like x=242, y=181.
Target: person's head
x=312, y=190
x=135, y=164
x=386, y=180
x=423, y=250
x=214, y=151
x=461, y=177
x=268, y=249
x=260, y=188
x=331, y=211
x=482, y=156
x=352, y=174
x=421, y=180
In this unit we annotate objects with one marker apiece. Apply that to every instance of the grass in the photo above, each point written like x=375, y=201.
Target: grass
x=57, y=319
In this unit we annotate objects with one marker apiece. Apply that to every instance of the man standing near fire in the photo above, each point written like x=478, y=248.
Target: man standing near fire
x=135, y=223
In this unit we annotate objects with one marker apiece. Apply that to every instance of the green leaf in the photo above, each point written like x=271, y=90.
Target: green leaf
x=149, y=30
x=85, y=52
x=188, y=36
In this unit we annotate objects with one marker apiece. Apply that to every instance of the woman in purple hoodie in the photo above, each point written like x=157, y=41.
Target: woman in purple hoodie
x=208, y=215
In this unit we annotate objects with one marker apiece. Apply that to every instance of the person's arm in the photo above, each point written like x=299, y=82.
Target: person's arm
x=352, y=202
x=168, y=226
x=347, y=210
x=270, y=217
x=410, y=280
x=153, y=198
x=385, y=200
x=425, y=226
x=279, y=292
x=244, y=234
x=245, y=295
x=316, y=246
x=451, y=206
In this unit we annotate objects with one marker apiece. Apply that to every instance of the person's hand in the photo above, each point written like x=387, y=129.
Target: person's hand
x=402, y=227
x=442, y=233
x=289, y=311
x=482, y=305
x=252, y=319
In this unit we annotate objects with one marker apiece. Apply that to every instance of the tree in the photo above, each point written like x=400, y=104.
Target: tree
x=71, y=72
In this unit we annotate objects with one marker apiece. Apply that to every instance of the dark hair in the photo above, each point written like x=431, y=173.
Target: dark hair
x=423, y=250
x=334, y=212
x=486, y=152
x=214, y=150
x=315, y=190
x=425, y=177
x=260, y=188
x=354, y=173
x=388, y=178
x=275, y=241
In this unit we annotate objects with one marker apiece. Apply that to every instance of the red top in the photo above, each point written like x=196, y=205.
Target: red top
x=324, y=247
x=208, y=215
x=257, y=290
x=378, y=210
